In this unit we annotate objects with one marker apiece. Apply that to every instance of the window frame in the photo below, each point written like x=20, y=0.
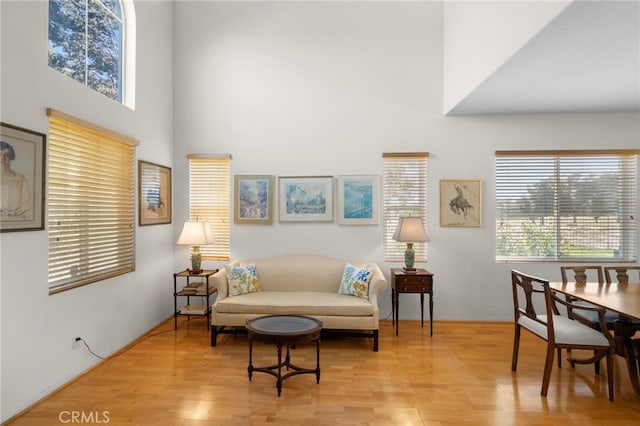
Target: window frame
x=411, y=169
x=556, y=169
x=210, y=200
x=126, y=18
x=90, y=203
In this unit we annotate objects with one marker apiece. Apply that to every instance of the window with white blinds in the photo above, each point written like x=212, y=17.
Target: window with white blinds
x=405, y=194
x=567, y=205
x=210, y=200
x=91, y=202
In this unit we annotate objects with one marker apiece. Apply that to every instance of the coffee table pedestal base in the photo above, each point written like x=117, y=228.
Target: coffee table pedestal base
x=276, y=370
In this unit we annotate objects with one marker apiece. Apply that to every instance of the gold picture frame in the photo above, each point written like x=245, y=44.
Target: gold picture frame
x=154, y=194
x=461, y=202
x=253, y=199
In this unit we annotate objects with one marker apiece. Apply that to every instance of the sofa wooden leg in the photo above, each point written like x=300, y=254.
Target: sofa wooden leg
x=214, y=335
x=375, y=340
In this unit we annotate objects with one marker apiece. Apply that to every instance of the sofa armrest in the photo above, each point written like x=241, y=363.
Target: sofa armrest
x=219, y=281
x=378, y=282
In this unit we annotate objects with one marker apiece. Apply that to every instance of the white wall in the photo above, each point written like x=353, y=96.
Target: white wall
x=36, y=328
x=325, y=88
x=292, y=88
x=480, y=36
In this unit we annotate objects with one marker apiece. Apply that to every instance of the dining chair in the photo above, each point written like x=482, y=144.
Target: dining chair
x=582, y=274
x=622, y=274
x=558, y=330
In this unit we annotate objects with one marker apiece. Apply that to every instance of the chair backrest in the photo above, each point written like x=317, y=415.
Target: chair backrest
x=582, y=274
x=622, y=274
x=528, y=296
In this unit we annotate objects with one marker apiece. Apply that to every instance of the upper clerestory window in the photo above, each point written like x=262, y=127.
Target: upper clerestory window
x=93, y=42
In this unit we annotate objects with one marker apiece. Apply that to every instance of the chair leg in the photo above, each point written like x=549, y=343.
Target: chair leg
x=559, y=358
x=516, y=347
x=548, y=367
x=609, y=374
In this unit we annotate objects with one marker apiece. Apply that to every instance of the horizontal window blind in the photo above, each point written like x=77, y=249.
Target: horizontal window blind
x=210, y=200
x=567, y=205
x=405, y=194
x=91, y=203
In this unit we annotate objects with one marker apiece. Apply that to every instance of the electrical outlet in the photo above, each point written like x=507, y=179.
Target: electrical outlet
x=75, y=341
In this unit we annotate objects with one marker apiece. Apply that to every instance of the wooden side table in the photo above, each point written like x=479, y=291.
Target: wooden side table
x=421, y=282
x=198, y=288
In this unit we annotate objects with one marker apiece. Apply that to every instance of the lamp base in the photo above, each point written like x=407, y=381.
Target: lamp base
x=196, y=260
x=409, y=257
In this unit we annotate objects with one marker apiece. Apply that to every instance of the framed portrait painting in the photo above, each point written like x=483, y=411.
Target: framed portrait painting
x=358, y=200
x=22, y=178
x=305, y=199
x=460, y=202
x=154, y=194
x=253, y=199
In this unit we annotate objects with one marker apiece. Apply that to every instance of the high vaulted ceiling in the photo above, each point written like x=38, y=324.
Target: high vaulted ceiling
x=586, y=60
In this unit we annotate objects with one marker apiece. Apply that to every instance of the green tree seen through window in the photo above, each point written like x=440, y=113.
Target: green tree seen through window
x=85, y=43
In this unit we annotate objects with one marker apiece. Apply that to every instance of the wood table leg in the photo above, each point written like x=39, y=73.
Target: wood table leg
x=393, y=307
x=397, y=313
x=625, y=347
x=279, y=376
x=318, y=361
x=250, y=367
x=431, y=313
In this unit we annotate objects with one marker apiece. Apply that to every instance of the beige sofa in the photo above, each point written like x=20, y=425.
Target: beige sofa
x=299, y=284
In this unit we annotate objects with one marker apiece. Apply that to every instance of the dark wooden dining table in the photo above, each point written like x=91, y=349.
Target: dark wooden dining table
x=623, y=299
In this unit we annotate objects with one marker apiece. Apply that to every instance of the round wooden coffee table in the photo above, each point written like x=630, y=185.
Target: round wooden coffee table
x=284, y=330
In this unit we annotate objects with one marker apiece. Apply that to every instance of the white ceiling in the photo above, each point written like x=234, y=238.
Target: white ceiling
x=586, y=60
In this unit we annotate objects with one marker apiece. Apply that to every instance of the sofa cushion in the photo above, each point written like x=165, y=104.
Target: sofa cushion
x=242, y=279
x=296, y=303
x=355, y=281
x=299, y=272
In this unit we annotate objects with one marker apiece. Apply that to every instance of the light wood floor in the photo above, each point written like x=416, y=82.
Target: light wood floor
x=460, y=376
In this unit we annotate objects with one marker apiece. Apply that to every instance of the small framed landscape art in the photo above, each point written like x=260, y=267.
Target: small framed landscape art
x=253, y=199
x=22, y=177
x=154, y=194
x=358, y=200
x=305, y=199
x=460, y=202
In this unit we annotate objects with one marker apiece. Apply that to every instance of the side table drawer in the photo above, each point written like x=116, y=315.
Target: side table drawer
x=412, y=287
x=413, y=284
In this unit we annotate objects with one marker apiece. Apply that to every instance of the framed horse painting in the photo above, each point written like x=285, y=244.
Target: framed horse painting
x=461, y=202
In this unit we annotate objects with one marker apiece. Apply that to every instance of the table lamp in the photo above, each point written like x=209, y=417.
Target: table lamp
x=196, y=234
x=410, y=230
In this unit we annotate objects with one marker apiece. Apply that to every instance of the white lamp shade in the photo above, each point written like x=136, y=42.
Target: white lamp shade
x=410, y=229
x=196, y=234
